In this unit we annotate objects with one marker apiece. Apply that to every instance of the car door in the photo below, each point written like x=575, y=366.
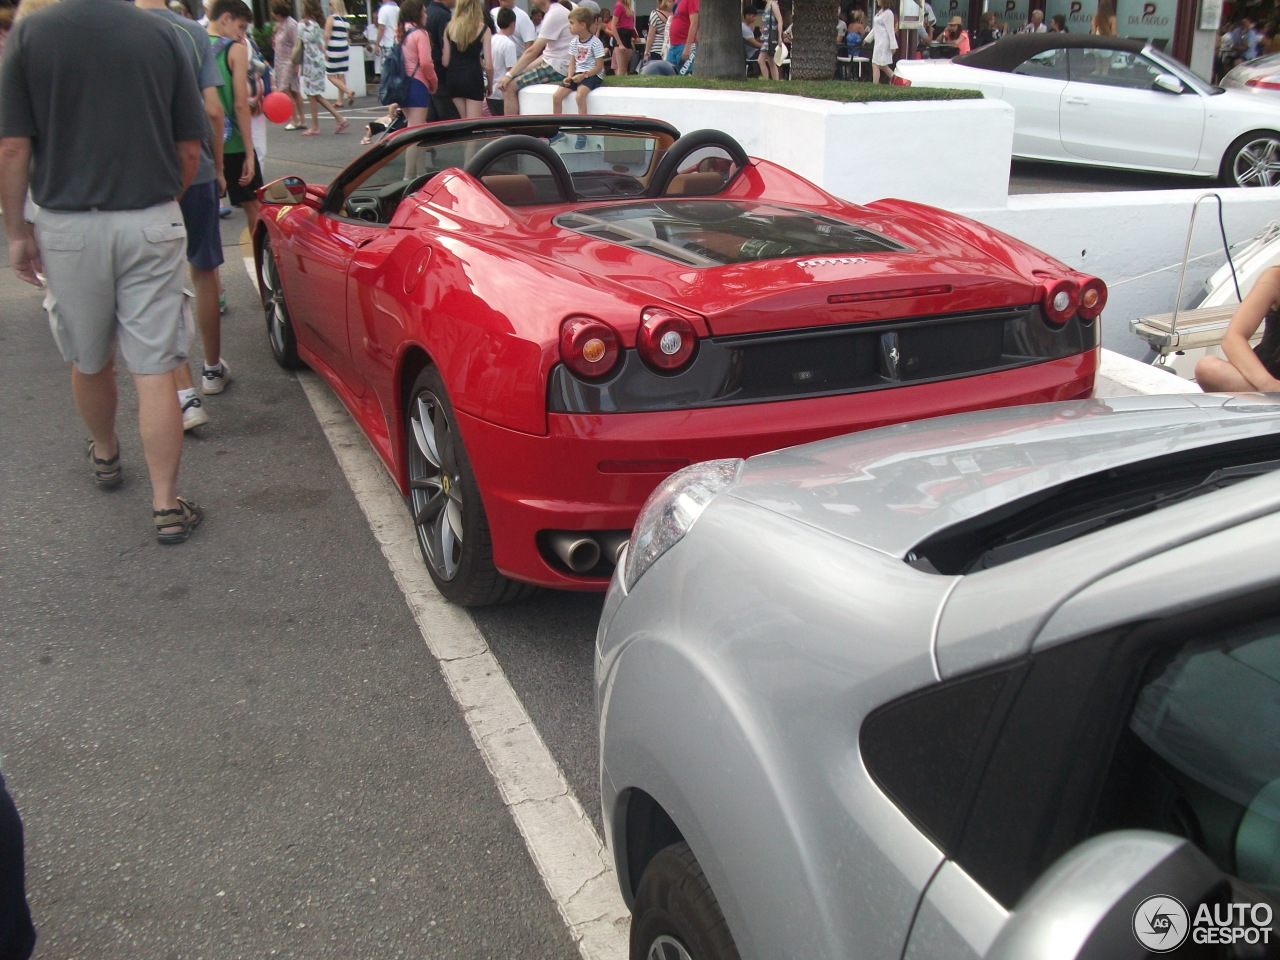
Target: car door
x=315, y=276
x=1034, y=89
x=1112, y=112
x=1151, y=701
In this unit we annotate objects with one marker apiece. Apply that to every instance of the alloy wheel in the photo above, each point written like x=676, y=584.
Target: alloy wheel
x=667, y=948
x=273, y=303
x=435, y=486
x=1257, y=163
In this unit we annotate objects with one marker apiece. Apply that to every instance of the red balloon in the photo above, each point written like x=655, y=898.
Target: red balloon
x=277, y=107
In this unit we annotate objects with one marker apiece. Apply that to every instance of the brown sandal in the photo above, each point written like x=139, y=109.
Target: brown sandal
x=174, y=526
x=106, y=473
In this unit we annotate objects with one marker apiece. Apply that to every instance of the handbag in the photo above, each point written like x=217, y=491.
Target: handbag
x=296, y=57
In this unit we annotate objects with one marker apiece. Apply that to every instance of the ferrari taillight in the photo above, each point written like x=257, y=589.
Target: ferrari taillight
x=1059, y=300
x=1093, y=298
x=588, y=347
x=666, y=341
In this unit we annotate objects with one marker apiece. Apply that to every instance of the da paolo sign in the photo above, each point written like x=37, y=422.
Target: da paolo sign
x=1077, y=13
x=1147, y=19
x=1162, y=924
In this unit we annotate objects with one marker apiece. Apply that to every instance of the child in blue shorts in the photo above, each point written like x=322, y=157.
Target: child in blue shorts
x=586, y=61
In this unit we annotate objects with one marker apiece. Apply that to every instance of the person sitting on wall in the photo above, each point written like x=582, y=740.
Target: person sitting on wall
x=750, y=43
x=1248, y=368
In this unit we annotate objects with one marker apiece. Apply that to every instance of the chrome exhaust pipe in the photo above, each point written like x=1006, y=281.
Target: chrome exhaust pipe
x=578, y=551
x=611, y=545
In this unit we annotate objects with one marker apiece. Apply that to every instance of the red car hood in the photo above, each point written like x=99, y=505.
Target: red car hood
x=797, y=292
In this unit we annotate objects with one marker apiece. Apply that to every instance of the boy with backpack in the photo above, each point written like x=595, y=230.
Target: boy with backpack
x=228, y=20
x=393, y=84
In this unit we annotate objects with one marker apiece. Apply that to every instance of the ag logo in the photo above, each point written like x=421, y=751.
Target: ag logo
x=1161, y=923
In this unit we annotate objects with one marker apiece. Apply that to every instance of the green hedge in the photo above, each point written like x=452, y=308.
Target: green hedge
x=842, y=91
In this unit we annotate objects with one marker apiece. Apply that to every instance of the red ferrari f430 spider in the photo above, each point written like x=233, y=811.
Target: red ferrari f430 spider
x=535, y=320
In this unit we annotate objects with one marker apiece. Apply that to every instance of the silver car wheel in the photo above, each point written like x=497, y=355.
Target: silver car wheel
x=667, y=948
x=1257, y=163
x=435, y=486
x=284, y=346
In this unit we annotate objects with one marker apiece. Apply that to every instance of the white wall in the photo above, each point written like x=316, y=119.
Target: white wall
x=1135, y=242
x=859, y=151
x=955, y=154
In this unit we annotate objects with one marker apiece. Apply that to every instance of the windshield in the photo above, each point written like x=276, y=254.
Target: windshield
x=712, y=233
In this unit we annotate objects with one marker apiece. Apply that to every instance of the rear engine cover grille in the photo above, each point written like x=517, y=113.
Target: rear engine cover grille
x=859, y=357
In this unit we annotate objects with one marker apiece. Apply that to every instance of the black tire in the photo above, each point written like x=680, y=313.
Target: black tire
x=1252, y=161
x=444, y=499
x=676, y=916
x=284, y=345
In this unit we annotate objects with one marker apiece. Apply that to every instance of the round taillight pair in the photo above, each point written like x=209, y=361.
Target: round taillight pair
x=666, y=341
x=589, y=347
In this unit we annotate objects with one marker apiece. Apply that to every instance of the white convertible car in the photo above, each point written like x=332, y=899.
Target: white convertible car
x=1114, y=102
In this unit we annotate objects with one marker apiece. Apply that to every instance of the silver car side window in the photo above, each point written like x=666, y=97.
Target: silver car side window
x=1210, y=717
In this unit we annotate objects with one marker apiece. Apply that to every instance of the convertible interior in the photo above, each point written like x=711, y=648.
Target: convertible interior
x=547, y=165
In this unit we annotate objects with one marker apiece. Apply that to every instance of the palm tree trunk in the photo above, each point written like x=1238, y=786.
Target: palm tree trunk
x=813, y=51
x=720, y=51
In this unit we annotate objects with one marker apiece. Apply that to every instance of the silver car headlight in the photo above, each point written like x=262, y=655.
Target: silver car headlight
x=670, y=511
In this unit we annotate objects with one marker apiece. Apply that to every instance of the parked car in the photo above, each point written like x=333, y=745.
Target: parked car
x=974, y=686
x=1260, y=76
x=537, y=319
x=1114, y=102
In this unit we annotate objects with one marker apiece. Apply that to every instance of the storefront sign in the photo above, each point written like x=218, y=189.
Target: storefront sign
x=1210, y=14
x=1078, y=13
x=1147, y=19
x=911, y=15
x=1012, y=12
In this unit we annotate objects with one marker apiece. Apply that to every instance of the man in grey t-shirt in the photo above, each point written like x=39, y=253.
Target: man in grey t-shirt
x=105, y=173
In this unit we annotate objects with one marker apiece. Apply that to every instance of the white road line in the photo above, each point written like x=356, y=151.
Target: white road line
x=564, y=845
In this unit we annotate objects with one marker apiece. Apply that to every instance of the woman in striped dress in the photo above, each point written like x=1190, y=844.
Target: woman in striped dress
x=655, y=45
x=337, y=46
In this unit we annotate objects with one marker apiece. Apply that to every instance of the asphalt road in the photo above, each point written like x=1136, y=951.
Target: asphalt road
x=241, y=747
x=1029, y=176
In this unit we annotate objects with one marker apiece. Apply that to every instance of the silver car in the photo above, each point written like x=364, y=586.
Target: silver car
x=1261, y=76
x=1004, y=685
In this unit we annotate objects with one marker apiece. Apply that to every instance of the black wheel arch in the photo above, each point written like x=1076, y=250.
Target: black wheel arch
x=648, y=829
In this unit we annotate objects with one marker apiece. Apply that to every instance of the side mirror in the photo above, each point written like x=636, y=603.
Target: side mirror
x=1119, y=896
x=1168, y=83
x=288, y=190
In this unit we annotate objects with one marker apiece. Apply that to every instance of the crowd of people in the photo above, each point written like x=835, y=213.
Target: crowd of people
x=1243, y=39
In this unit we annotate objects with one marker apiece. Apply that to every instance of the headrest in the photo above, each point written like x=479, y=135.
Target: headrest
x=695, y=185
x=513, y=189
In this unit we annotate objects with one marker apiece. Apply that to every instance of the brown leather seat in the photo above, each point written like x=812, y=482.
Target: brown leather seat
x=694, y=185
x=513, y=189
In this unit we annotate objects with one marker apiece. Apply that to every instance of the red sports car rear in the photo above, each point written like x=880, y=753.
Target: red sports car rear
x=533, y=336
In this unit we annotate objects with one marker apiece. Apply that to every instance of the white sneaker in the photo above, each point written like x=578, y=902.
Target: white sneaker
x=215, y=381
x=193, y=414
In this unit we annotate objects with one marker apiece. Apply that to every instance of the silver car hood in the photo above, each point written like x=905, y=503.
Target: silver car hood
x=891, y=488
